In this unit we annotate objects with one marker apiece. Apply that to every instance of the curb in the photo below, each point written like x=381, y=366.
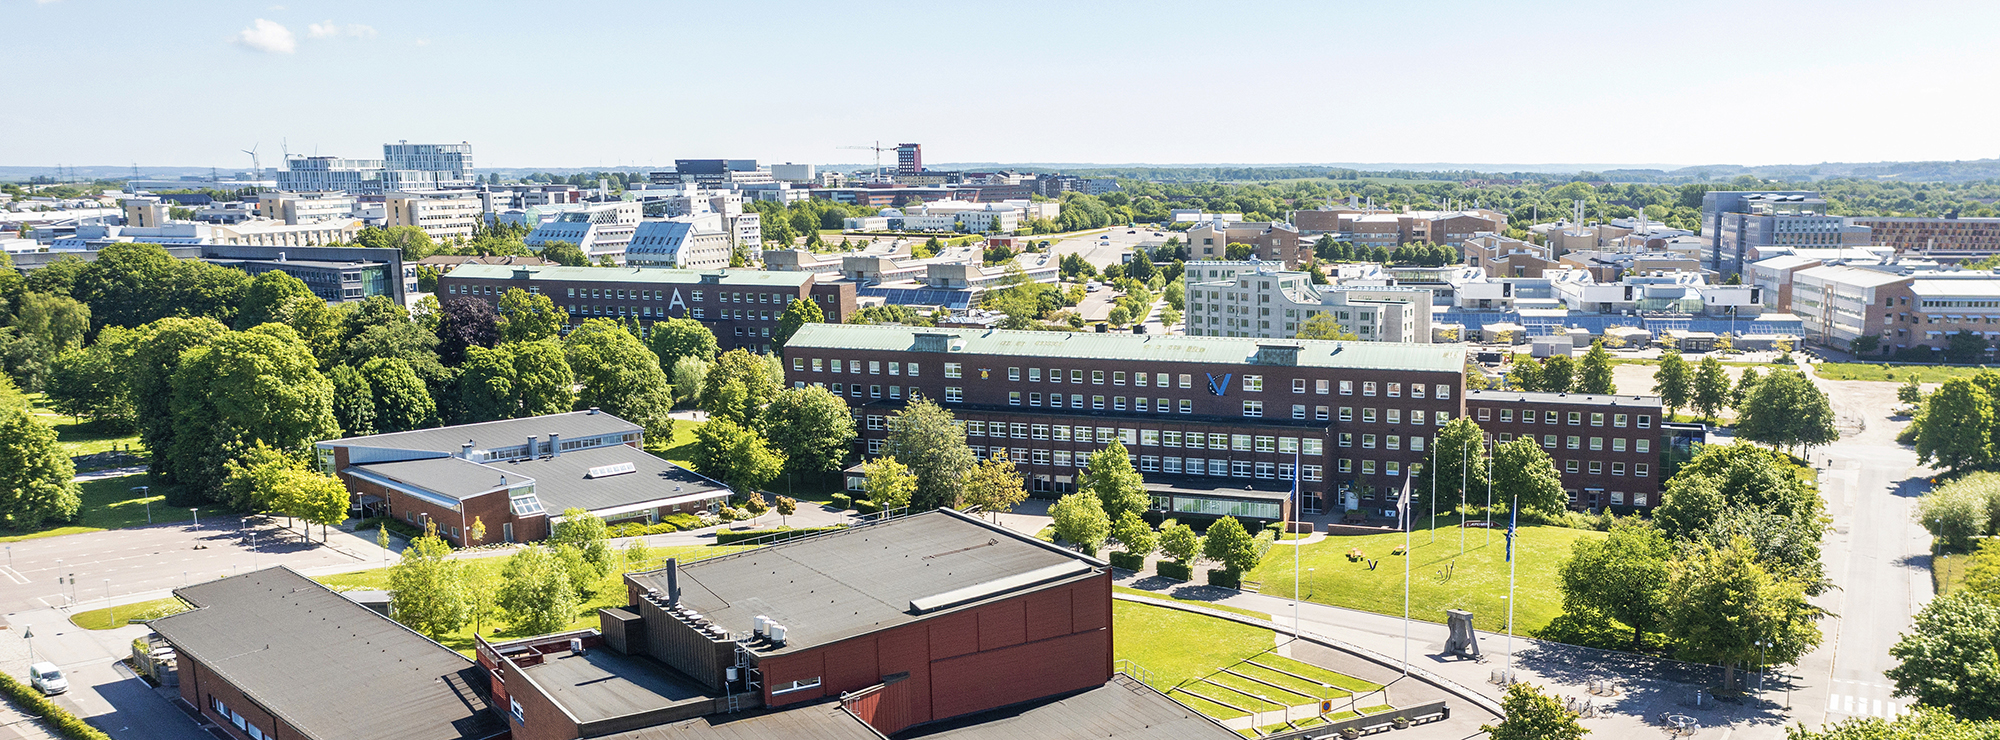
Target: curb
x=1491, y=706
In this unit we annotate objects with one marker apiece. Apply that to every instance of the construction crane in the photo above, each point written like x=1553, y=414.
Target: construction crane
x=878, y=149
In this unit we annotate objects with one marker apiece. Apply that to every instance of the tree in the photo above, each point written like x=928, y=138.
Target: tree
x=689, y=375
x=530, y=317
x=1951, y=656
x=314, y=497
x=1530, y=714
x=427, y=591
x=759, y=382
x=1178, y=541
x=620, y=375
x=676, y=338
x=1080, y=521
x=536, y=591
x=786, y=507
x=1746, y=383
x=1964, y=346
x=1558, y=374
x=1119, y=316
x=889, y=484
x=924, y=436
x=1721, y=602
x=402, y=402
x=1956, y=513
x=1525, y=376
x=1228, y=543
x=1321, y=325
x=1109, y=476
x=812, y=426
x=1594, y=376
x=583, y=544
x=1523, y=472
x=1982, y=570
x=261, y=385
x=1456, y=459
x=486, y=386
x=1911, y=393
x=35, y=473
x=91, y=381
x=565, y=254
x=1724, y=477
x=1955, y=429
x=797, y=314
x=1623, y=577
x=733, y=454
x=1673, y=383
x=266, y=293
x=1785, y=410
x=1711, y=388
x=412, y=241
x=130, y=284
x=542, y=379
x=1919, y=723
x=466, y=322
x=995, y=486
x=1135, y=534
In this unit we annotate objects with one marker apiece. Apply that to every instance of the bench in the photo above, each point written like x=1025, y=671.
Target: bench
x=1383, y=726
x=1424, y=718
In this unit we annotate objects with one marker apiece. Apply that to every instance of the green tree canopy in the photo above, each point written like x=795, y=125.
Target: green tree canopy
x=266, y=293
x=1179, y=541
x=1080, y=521
x=1722, y=602
x=1228, y=543
x=1735, y=476
x=1118, y=488
x=402, y=401
x=1134, y=534
x=797, y=314
x=1955, y=427
x=1322, y=325
x=760, y=381
x=261, y=385
x=620, y=375
x=530, y=317
x=676, y=338
x=1533, y=715
x=1623, y=577
x=1711, y=388
x=1523, y=472
x=427, y=587
x=1951, y=656
x=813, y=427
x=35, y=473
x=1673, y=382
x=995, y=486
x=1558, y=374
x=736, y=455
x=1457, y=459
x=1594, y=374
x=924, y=436
x=890, y=484
x=1786, y=410
x=536, y=591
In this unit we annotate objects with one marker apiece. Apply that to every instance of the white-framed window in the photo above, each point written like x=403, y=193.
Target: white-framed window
x=1253, y=383
x=1642, y=445
x=951, y=369
x=1253, y=408
x=954, y=394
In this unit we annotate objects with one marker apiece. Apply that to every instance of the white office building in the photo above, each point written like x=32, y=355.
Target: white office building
x=1254, y=298
x=441, y=214
x=599, y=229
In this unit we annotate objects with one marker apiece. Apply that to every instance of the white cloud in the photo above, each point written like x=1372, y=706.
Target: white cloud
x=268, y=36
x=423, y=42
x=329, y=29
x=44, y=2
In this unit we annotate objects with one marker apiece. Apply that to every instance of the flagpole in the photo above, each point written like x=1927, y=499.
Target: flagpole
x=1513, y=533
x=1434, y=498
x=1407, y=557
x=1464, y=457
x=1489, y=489
x=1297, y=497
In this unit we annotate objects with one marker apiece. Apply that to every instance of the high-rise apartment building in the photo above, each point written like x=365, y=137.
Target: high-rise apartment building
x=1736, y=223
x=909, y=159
x=1255, y=299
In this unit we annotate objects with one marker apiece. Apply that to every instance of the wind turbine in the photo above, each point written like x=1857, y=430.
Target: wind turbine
x=256, y=166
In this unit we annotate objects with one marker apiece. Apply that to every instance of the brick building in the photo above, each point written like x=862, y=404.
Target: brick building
x=1609, y=448
x=514, y=476
x=742, y=307
x=1269, y=241
x=1215, y=424
x=272, y=655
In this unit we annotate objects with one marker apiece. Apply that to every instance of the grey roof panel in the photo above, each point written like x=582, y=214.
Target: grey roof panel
x=835, y=586
x=564, y=481
x=821, y=721
x=1122, y=708
x=657, y=275
x=1134, y=347
x=289, y=644
x=448, y=476
x=603, y=684
x=496, y=434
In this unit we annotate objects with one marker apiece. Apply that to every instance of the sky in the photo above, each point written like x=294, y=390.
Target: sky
x=609, y=83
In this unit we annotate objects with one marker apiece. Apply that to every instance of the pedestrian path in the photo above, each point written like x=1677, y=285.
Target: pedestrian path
x=1863, y=699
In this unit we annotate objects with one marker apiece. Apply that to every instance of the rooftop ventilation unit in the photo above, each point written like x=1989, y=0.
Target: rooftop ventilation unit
x=777, y=634
x=606, y=471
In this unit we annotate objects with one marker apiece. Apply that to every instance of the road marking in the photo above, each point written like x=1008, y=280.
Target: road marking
x=14, y=575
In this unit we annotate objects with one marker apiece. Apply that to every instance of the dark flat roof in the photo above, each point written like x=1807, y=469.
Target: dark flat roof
x=869, y=578
x=601, y=684
x=1122, y=708
x=1491, y=396
x=496, y=434
x=822, y=721
x=446, y=476
x=327, y=666
x=563, y=481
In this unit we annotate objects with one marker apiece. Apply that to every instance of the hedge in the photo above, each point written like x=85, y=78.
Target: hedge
x=1176, y=571
x=779, y=534
x=842, y=501
x=1128, y=561
x=28, y=700
x=1225, y=578
x=867, y=507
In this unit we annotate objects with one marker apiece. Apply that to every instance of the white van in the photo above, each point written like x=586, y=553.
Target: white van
x=47, y=678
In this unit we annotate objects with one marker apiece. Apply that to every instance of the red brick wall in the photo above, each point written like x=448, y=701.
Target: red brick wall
x=1037, y=644
x=200, y=687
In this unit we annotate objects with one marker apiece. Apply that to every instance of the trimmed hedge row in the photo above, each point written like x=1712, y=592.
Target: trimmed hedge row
x=867, y=507
x=671, y=523
x=779, y=534
x=27, y=699
x=842, y=501
x=1176, y=571
x=1128, y=560
x=1225, y=578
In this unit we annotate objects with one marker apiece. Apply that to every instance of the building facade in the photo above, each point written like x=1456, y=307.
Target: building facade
x=441, y=214
x=1942, y=239
x=1608, y=448
x=1251, y=299
x=1269, y=241
x=1736, y=223
x=742, y=307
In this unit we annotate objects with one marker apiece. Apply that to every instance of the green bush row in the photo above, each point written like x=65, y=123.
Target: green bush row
x=1176, y=571
x=779, y=534
x=1225, y=578
x=1128, y=560
x=671, y=523
x=867, y=507
x=27, y=699
x=842, y=501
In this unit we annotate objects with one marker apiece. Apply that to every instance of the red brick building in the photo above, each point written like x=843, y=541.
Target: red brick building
x=1608, y=448
x=742, y=307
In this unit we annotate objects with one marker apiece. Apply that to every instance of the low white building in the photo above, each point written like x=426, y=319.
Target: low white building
x=442, y=214
x=1254, y=298
x=687, y=242
x=599, y=229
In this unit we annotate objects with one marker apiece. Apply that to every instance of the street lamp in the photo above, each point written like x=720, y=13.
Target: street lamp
x=196, y=511
x=1762, y=645
x=28, y=634
x=149, y=502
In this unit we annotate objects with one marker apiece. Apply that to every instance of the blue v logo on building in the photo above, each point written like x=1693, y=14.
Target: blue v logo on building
x=1218, y=387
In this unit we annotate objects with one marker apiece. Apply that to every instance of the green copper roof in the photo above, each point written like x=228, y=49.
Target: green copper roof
x=1136, y=347
x=738, y=278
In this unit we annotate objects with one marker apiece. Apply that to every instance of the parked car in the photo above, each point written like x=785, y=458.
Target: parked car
x=47, y=678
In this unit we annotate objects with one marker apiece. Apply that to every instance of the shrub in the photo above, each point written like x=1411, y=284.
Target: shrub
x=842, y=501
x=682, y=520
x=1176, y=571
x=777, y=534
x=1225, y=578
x=867, y=507
x=28, y=700
x=1128, y=560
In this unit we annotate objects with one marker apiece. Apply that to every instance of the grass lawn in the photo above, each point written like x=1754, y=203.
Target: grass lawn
x=1163, y=596
x=1179, y=647
x=1482, y=589
x=1948, y=572
x=1893, y=373
x=118, y=616
x=680, y=449
x=109, y=503
x=86, y=437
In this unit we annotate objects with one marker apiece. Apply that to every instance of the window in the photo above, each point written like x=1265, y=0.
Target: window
x=1288, y=445
x=1549, y=441
x=1347, y=439
x=1617, y=444
x=1218, y=468
x=1035, y=399
x=1645, y=422
x=1367, y=441
x=1346, y=465
x=1367, y=467
x=1346, y=413
x=1267, y=470
x=1596, y=443
x=1596, y=419
x=875, y=447
x=1320, y=387
x=798, y=364
x=1416, y=391
x=1417, y=445
x=1642, y=445
x=1141, y=405
x=799, y=685
x=1313, y=446
x=1395, y=390
x=1160, y=379
x=818, y=365
x=1443, y=392
x=1417, y=416
x=1059, y=433
x=1368, y=416
x=1395, y=416
x=954, y=394
x=1187, y=406
x=1347, y=387
x=1320, y=412
x=1506, y=415
x=1575, y=442
x=1239, y=468
x=1034, y=375
x=1618, y=468
x=1118, y=377
x=874, y=367
x=1013, y=398
x=1019, y=431
x=1368, y=388
x=1104, y=435
x=1237, y=442
x=895, y=368
x=1485, y=414
x=1571, y=466
x=1298, y=385
x=1298, y=411
x=895, y=391
x=1097, y=402
x=1575, y=418
x=1097, y=377
x=1186, y=381
x=1267, y=444
x=1552, y=418
x=1253, y=383
x=854, y=366
x=1441, y=417
x=1118, y=403
x=1139, y=379
x=1618, y=420
x=1062, y=458
x=1014, y=374
x=1149, y=437
x=1392, y=467
x=875, y=422
x=1149, y=463
x=1170, y=465
x=874, y=391
x=1640, y=469
x=1253, y=408
x=1597, y=467
x=1638, y=498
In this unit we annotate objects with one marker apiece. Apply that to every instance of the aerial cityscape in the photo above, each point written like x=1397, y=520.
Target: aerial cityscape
x=1101, y=413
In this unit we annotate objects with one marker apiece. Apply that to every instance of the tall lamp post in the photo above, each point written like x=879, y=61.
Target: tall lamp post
x=149, y=502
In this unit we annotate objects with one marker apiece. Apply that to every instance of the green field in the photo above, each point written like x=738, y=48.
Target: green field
x=1948, y=572
x=1163, y=596
x=680, y=449
x=80, y=438
x=1481, y=588
x=1177, y=646
x=1893, y=373
x=109, y=503
x=118, y=616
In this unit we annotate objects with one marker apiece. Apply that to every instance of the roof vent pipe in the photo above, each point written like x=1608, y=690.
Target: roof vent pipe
x=555, y=445
x=465, y=450
x=777, y=635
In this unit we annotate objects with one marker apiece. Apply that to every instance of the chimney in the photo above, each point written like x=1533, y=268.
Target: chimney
x=673, y=581
x=555, y=445
x=531, y=446
x=593, y=411
x=465, y=450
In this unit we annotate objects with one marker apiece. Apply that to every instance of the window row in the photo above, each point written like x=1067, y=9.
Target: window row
x=1418, y=417
x=853, y=367
x=1575, y=418
x=1575, y=442
x=1389, y=441
x=854, y=390
x=1596, y=467
x=1143, y=437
